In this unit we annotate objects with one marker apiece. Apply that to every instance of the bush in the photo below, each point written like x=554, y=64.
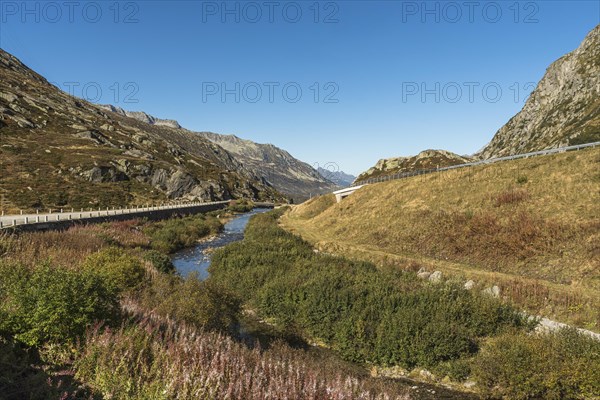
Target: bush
x=241, y=206
x=120, y=269
x=563, y=365
x=510, y=196
x=175, y=234
x=368, y=315
x=202, y=304
x=161, y=262
x=521, y=180
x=53, y=304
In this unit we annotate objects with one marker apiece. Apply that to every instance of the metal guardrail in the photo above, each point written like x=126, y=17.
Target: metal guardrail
x=475, y=163
x=8, y=221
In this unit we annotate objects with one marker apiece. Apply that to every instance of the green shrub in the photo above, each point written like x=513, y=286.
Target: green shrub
x=53, y=304
x=202, y=304
x=521, y=180
x=563, y=365
x=368, y=315
x=175, y=234
x=161, y=262
x=120, y=269
x=241, y=206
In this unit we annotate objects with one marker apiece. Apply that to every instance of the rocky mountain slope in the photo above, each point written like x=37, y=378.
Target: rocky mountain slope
x=428, y=159
x=61, y=151
x=270, y=163
x=340, y=178
x=285, y=173
x=564, y=109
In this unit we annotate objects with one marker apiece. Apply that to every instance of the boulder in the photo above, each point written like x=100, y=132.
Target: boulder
x=493, y=291
x=435, y=277
x=470, y=284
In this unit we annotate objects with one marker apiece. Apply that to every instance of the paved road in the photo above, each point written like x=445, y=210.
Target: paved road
x=56, y=215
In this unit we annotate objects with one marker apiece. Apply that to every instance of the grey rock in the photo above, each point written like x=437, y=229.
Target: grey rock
x=9, y=97
x=493, y=291
x=435, y=277
x=92, y=135
x=470, y=284
x=423, y=273
x=22, y=122
x=104, y=174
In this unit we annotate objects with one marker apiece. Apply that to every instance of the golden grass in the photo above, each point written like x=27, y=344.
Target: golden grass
x=532, y=226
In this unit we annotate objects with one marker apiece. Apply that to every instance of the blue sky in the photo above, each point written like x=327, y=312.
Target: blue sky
x=345, y=82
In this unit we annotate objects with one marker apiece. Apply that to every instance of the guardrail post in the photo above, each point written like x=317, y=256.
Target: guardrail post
x=26, y=220
x=58, y=217
x=1, y=224
x=37, y=219
x=45, y=218
x=14, y=221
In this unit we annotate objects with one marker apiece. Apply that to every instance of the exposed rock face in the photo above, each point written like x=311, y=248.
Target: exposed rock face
x=142, y=116
x=71, y=152
x=564, y=109
x=276, y=166
x=267, y=163
x=428, y=159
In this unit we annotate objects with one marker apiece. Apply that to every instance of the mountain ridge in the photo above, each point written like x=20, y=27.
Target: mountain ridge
x=273, y=165
x=59, y=151
x=426, y=159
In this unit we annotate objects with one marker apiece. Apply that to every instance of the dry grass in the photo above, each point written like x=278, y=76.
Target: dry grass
x=532, y=226
x=71, y=247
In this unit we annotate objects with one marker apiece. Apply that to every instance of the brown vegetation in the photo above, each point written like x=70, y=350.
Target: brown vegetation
x=523, y=224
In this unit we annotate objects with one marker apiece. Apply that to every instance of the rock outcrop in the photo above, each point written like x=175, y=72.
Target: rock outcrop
x=266, y=162
x=563, y=110
x=428, y=159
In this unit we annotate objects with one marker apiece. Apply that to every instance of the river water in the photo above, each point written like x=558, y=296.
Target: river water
x=197, y=259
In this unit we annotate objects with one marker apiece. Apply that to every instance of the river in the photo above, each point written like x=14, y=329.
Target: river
x=197, y=259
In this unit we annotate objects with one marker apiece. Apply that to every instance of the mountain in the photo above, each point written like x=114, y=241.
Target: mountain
x=276, y=166
x=564, y=109
x=428, y=159
x=60, y=151
x=270, y=163
x=340, y=178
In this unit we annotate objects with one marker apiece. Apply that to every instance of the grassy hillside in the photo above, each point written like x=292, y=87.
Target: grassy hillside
x=530, y=226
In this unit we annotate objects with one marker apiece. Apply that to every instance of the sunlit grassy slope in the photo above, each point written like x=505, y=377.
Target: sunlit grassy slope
x=530, y=226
